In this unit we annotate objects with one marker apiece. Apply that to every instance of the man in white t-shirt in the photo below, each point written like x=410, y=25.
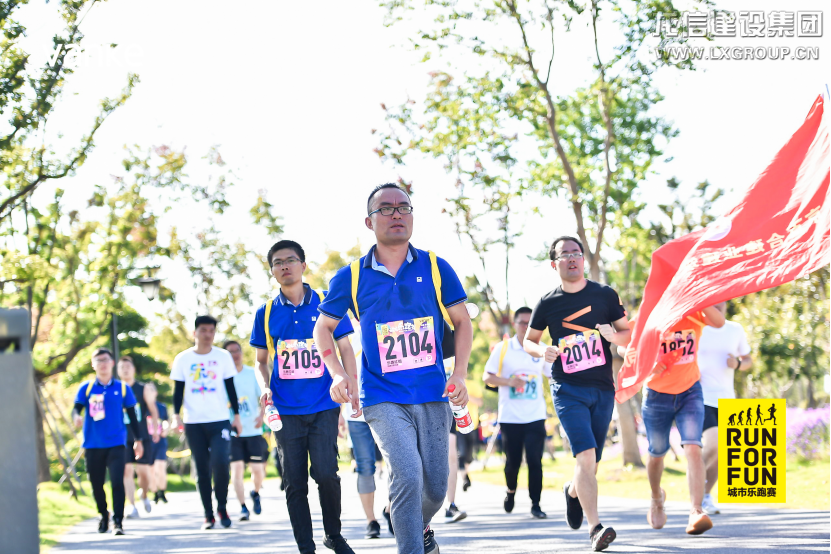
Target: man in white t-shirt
x=522, y=411
x=204, y=384
x=720, y=353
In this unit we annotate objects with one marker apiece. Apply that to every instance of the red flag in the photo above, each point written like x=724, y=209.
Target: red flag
x=778, y=232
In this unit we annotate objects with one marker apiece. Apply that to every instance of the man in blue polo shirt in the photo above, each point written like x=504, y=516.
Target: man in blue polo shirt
x=402, y=305
x=105, y=435
x=299, y=388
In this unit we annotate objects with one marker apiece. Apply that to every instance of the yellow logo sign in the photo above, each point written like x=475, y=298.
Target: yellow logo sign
x=751, y=450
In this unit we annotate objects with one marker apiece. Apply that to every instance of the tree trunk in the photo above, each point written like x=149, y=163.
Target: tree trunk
x=809, y=393
x=44, y=475
x=626, y=425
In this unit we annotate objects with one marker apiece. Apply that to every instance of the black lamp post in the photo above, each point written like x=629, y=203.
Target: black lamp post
x=150, y=285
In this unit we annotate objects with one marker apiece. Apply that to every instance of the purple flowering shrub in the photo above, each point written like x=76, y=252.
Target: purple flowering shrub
x=807, y=432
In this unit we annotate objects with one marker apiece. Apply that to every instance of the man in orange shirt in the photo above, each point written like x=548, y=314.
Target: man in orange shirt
x=673, y=392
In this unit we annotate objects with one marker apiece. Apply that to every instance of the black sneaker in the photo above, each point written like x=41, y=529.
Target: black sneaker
x=602, y=537
x=373, y=530
x=574, y=511
x=163, y=497
x=156, y=497
x=118, y=529
x=466, y=485
x=508, y=504
x=338, y=544
x=210, y=522
x=537, y=512
x=104, y=524
x=454, y=514
x=224, y=520
x=387, y=516
x=430, y=544
x=255, y=498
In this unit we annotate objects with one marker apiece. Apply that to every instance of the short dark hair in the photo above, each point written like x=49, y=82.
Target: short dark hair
x=106, y=351
x=205, y=320
x=522, y=310
x=127, y=359
x=380, y=188
x=558, y=240
x=229, y=343
x=283, y=244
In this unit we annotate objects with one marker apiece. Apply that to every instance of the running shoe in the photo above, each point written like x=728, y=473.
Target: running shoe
x=147, y=505
x=373, y=530
x=602, y=537
x=454, y=514
x=574, y=511
x=709, y=506
x=537, y=512
x=245, y=515
x=134, y=514
x=657, y=516
x=224, y=520
x=163, y=497
x=118, y=529
x=387, y=516
x=210, y=522
x=508, y=503
x=156, y=497
x=104, y=524
x=466, y=485
x=699, y=522
x=430, y=544
x=338, y=544
x=255, y=498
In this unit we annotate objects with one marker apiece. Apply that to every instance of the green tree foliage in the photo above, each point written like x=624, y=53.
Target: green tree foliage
x=502, y=131
x=319, y=275
x=28, y=97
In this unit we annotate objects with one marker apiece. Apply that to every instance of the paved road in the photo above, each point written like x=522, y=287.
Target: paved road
x=175, y=528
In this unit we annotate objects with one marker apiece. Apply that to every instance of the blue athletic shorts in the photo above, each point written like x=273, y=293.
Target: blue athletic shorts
x=160, y=450
x=661, y=409
x=584, y=413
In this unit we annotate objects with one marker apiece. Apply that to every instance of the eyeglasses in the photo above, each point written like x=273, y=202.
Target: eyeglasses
x=389, y=210
x=572, y=256
x=287, y=262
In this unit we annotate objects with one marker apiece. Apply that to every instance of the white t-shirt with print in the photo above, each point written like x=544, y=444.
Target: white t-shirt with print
x=527, y=404
x=714, y=346
x=204, y=375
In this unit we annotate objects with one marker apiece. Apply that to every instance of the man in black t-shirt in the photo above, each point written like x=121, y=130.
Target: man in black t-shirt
x=145, y=394
x=583, y=318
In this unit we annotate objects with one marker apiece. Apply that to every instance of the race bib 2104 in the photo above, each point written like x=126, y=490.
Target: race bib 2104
x=406, y=344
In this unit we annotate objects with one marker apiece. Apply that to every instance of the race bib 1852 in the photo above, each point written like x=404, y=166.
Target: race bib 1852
x=581, y=351
x=298, y=359
x=679, y=340
x=406, y=344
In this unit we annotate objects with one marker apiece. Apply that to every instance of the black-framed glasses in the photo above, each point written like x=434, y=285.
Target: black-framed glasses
x=286, y=262
x=571, y=256
x=389, y=210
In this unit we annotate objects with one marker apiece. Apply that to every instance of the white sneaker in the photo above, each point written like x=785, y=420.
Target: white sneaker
x=134, y=514
x=709, y=506
x=147, y=506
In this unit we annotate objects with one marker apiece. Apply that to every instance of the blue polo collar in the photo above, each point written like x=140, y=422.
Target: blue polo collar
x=371, y=263
x=307, y=298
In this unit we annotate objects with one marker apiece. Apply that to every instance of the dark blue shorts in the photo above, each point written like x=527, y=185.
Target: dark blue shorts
x=160, y=450
x=661, y=409
x=584, y=413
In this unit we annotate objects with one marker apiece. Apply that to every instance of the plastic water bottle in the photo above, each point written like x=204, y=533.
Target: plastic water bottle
x=272, y=417
x=464, y=423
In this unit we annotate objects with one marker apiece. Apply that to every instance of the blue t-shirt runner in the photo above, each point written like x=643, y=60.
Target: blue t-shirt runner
x=299, y=386
x=402, y=297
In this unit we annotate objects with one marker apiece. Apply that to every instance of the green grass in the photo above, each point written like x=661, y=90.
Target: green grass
x=58, y=511
x=807, y=482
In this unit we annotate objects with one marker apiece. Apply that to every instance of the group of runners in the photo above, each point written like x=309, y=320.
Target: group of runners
x=408, y=308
